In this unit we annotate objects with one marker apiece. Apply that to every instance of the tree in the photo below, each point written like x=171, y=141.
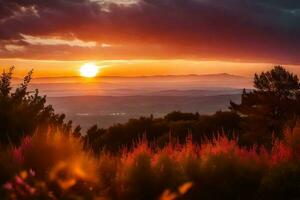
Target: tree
x=22, y=112
x=177, y=116
x=272, y=106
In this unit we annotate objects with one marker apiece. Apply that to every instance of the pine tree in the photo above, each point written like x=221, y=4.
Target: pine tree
x=272, y=106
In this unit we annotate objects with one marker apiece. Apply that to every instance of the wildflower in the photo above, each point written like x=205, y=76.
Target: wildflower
x=8, y=186
x=32, y=173
x=19, y=180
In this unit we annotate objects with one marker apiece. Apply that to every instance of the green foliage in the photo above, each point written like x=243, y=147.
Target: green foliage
x=23, y=111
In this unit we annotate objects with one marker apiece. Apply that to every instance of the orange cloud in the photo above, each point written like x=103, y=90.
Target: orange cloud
x=231, y=30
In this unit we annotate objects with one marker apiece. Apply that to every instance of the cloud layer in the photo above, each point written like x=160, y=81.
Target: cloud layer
x=245, y=30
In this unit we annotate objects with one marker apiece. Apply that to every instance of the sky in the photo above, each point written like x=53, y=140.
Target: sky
x=149, y=37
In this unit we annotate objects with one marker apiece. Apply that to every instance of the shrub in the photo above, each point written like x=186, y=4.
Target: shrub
x=56, y=166
x=59, y=164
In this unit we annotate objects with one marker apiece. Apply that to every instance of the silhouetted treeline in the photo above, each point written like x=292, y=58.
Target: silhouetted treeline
x=176, y=124
x=23, y=111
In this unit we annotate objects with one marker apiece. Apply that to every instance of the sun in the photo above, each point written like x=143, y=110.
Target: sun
x=89, y=70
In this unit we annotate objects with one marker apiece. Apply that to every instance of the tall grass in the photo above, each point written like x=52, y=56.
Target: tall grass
x=55, y=166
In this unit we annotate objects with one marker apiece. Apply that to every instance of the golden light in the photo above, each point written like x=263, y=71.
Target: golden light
x=89, y=70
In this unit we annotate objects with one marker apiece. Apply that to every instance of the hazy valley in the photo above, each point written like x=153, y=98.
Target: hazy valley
x=108, y=100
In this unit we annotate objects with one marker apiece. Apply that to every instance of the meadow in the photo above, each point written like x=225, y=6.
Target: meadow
x=56, y=166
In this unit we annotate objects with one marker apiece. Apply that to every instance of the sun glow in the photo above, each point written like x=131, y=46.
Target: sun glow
x=89, y=70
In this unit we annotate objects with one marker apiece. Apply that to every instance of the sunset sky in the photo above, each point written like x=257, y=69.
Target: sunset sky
x=148, y=37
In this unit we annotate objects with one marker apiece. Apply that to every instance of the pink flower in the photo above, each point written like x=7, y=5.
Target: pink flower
x=32, y=172
x=19, y=180
x=8, y=186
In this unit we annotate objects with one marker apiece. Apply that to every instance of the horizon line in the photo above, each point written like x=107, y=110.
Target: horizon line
x=141, y=76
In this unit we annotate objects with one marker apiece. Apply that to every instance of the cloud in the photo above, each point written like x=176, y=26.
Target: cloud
x=56, y=41
x=12, y=47
x=256, y=30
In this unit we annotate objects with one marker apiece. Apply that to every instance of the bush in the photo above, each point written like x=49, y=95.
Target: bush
x=56, y=166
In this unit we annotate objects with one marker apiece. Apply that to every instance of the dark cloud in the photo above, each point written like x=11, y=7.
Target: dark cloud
x=286, y=4
x=251, y=30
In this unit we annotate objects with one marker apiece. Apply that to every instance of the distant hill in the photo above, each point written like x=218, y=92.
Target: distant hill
x=210, y=92
x=101, y=78
x=161, y=85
